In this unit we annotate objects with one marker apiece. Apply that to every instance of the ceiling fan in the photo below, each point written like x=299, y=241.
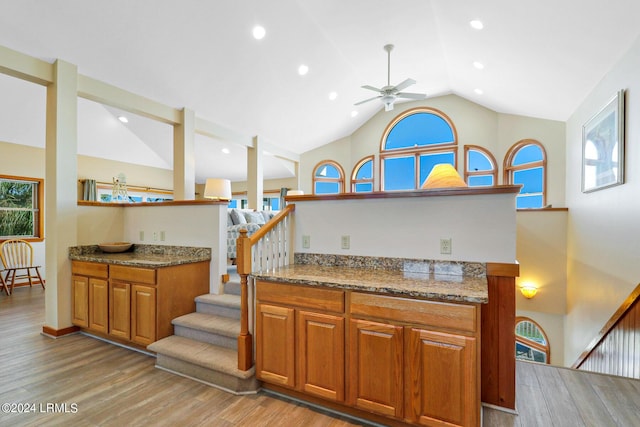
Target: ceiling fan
x=389, y=94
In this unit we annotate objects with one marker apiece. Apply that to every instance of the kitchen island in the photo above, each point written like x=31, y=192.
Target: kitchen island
x=131, y=297
x=392, y=341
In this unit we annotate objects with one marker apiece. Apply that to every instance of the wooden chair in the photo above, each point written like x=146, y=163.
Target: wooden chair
x=17, y=259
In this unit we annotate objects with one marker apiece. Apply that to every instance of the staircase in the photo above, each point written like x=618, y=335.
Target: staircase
x=204, y=346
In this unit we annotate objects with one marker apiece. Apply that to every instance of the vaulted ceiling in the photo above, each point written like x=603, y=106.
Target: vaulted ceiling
x=539, y=59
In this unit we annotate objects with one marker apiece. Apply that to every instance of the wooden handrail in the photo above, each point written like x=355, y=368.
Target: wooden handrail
x=243, y=261
x=280, y=216
x=620, y=313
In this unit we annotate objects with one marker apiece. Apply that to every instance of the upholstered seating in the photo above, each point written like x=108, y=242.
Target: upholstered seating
x=243, y=219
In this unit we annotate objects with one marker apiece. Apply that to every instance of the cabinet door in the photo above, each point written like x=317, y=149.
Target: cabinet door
x=375, y=367
x=80, y=301
x=275, y=345
x=143, y=314
x=98, y=305
x=320, y=356
x=120, y=309
x=443, y=371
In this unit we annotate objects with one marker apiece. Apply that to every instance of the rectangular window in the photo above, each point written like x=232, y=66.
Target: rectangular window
x=399, y=173
x=21, y=201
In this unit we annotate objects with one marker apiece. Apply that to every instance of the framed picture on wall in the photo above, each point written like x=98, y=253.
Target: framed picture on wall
x=603, y=146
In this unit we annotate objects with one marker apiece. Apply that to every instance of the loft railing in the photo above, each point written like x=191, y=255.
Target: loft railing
x=267, y=249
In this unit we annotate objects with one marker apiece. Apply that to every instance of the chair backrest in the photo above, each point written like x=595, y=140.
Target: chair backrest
x=16, y=253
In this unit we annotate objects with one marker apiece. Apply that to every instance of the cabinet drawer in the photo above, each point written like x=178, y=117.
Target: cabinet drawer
x=301, y=296
x=431, y=313
x=92, y=269
x=133, y=274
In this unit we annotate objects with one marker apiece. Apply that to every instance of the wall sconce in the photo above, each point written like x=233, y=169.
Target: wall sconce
x=528, y=290
x=443, y=175
x=218, y=189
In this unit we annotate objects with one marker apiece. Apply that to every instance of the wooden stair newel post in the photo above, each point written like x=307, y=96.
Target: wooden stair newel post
x=245, y=341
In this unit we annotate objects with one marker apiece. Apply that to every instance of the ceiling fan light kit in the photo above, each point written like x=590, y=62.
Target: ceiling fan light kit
x=389, y=94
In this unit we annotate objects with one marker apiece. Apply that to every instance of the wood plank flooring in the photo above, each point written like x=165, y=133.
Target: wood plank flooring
x=105, y=385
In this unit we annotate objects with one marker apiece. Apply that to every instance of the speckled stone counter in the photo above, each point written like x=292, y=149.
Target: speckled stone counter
x=150, y=256
x=410, y=278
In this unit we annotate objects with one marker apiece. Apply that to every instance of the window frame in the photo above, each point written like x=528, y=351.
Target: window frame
x=468, y=173
x=339, y=180
x=509, y=169
x=533, y=344
x=416, y=152
x=356, y=169
x=39, y=217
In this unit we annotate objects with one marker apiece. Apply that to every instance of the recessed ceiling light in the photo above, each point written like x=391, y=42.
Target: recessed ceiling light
x=478, y=91
x=259, y=32
x=333, y=95
x=123, y=119
x=479, y=65
x=476, y=24
x=226, y=151
x=354, y=113
x=303, y=69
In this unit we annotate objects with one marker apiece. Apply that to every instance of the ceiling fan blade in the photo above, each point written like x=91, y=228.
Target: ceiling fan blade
x=375, y=89
x=367, y=100
x=411, y=95
x=405, y=84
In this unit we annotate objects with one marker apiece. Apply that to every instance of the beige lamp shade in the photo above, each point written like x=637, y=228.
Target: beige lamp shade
x=217, y=188
x=443, y=175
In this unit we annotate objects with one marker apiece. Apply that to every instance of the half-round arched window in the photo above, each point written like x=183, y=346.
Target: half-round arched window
x=362, y=176
x=526, y=164
x=412, y=144
x=328, y=178
x=480, y=167
x=531, y=341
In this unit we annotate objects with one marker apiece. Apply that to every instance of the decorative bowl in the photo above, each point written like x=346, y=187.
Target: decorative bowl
x=114, y=247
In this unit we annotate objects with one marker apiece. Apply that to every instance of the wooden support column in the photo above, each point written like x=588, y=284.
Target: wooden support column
x=498, y=354
x=255, y=174
x=184, y=159
x=61, y=154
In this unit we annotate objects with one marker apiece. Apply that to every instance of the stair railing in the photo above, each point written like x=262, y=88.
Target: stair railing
x=267, y=249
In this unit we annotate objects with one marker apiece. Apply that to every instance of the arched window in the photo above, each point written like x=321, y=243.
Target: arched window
x=531, y=341
x=362, y=176
x=480, y=167
x=412, y=144
x=328, y=178
x=526, y=164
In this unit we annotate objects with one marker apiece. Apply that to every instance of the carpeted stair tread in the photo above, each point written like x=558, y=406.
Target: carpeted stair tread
x=201, y=354
x=224, y=300
x=211, y=323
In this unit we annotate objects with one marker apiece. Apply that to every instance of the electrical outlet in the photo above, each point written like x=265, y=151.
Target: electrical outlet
x=155, y=236
x=345, y=242
x=445, y=246
x=306, y=242
x=141, y=235
x=162, y=236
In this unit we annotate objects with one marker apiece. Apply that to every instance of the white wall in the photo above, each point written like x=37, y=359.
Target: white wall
x=189, y=225
x=482, y=228
x=604, y=226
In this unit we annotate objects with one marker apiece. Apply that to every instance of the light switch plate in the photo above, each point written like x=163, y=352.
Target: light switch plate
x=306, y=242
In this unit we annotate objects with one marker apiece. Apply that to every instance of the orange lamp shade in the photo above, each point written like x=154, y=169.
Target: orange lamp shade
x=443, y=175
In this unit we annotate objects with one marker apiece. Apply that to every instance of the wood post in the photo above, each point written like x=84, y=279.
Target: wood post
x=498, y=354
x=245, y=340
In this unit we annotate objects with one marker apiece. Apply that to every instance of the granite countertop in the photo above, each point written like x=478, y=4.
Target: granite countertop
x=149, y=256
x=429, y=285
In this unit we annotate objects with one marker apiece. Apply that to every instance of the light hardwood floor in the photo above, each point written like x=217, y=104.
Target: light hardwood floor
x=106, y=385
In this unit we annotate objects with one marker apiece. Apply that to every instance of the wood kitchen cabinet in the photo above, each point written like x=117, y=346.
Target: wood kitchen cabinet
x=299, y=348
x=134, y=305
x=402, y=360
x=375, y=364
